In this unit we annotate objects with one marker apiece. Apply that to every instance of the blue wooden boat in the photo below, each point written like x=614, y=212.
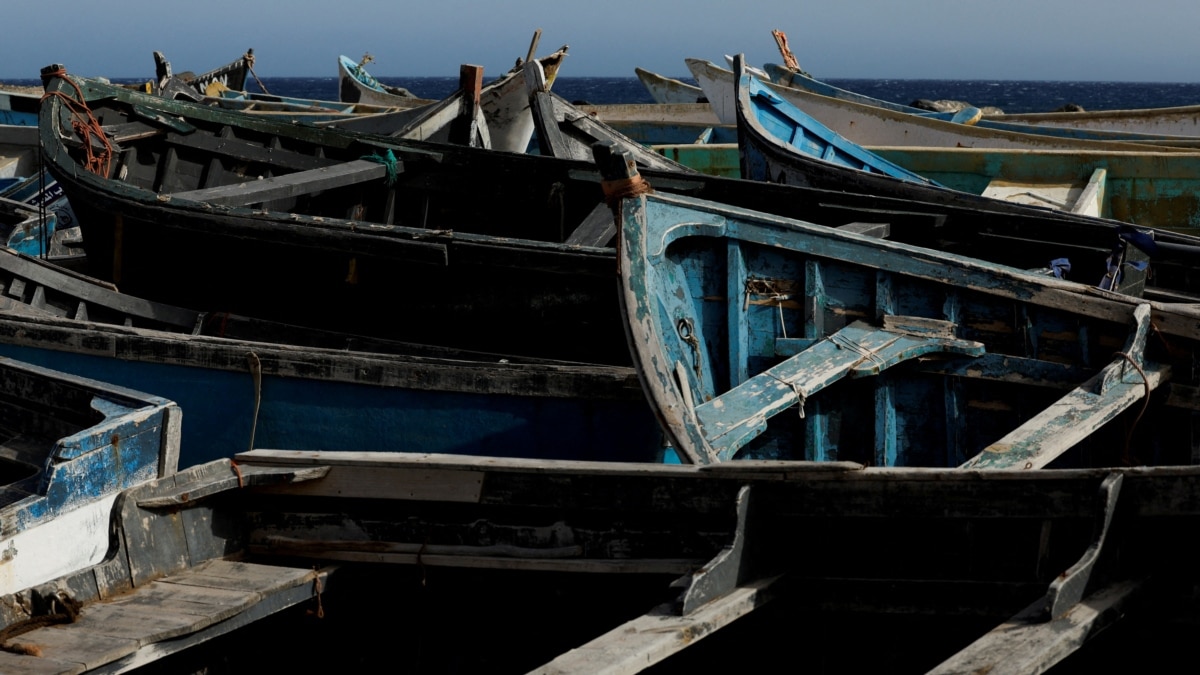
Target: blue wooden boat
x=18, y=108
x=251, y=383
x=68, y=447
x=763, y=337
x=1111, y=185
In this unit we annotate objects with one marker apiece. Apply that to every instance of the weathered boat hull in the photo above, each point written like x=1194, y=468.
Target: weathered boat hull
x=71, y=445
x=246, y=383
x=775, y=145
x=669, y=90
x=870, y=125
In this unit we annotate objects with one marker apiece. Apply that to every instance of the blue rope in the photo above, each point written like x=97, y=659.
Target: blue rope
x=389, y=161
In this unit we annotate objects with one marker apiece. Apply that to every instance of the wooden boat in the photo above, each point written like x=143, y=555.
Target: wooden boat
x=356, y=85
x=18, y=108
x=1108, y=184
x=668, y=89
x=18, y=152
x=70, y=446
x=862, y=333
x=683, y=113
x=870, y=125
x=1178, y=129
x=245, y=381
x=519, y=244
x=1173, y=121
x=301, y=253
x=231, y=76
x=641, y=563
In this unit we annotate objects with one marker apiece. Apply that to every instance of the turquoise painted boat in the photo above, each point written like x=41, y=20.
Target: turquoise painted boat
x=759, y=337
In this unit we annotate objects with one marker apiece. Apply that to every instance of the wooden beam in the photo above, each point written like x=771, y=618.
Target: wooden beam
x=1081, y=412
x=1027, y=644
x=737, y=416
x=288, y=185
x=638, y=644
x=598, y=229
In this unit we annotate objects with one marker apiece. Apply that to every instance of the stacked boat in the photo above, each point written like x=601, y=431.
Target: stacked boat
x=564, y=354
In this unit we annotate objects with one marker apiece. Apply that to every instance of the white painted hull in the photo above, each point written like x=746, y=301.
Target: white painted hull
x=872, y=126
x=1177, y=121
x=669, y=90
x=70, y=542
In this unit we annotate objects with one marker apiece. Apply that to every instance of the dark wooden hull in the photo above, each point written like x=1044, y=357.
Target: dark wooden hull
x=470, y=248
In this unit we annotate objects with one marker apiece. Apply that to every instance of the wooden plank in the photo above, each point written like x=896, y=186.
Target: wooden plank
x=598, y=229
x=414, y=554
x=877, y=230
x=271, y=603
x=737, y=416
x=642, y=642
x=288, y=185
x=213, y=595
x=371, y=483
x=1026, y=644
x=1081, y=412
x=247, y=151
x=37, y=665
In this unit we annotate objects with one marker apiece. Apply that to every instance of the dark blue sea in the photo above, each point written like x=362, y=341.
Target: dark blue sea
x=1012, y=96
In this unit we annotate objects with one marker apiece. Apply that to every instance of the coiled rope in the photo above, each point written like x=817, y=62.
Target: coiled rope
x=85, y=124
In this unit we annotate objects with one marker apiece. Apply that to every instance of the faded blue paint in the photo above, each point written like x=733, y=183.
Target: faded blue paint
x=800, y=131
x=125, y=445
x=304, y=414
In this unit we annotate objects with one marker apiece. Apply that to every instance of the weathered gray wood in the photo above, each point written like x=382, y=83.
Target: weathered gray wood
x=252, y=152
x=638, y=644
x=37, y=665
x=272, y=602
x=194, y=601
x=880, y=230
x=598, y=229
x=1081, y=412
x=288, y=185
x=1026, y=644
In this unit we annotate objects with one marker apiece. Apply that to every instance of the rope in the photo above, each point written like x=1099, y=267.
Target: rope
x=801, y=396
x=389, y=162
x=318, y=589
x=69, y=614
x=1125, y=456
x=256, y=373
x=843, y=341
x=85, y=124
x=622, y=188
x=779, y=298
x=237, y=469
x=249, y=57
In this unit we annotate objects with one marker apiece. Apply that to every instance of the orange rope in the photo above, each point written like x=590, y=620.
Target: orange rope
x=616, y=190
x=86, y=126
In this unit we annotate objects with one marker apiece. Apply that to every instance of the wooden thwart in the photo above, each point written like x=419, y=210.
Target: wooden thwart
x=736, y=417
x=635, y=645
x=1082, y=412
x=288, y=185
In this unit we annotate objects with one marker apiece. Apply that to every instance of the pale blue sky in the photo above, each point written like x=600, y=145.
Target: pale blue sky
x=1105, y=40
